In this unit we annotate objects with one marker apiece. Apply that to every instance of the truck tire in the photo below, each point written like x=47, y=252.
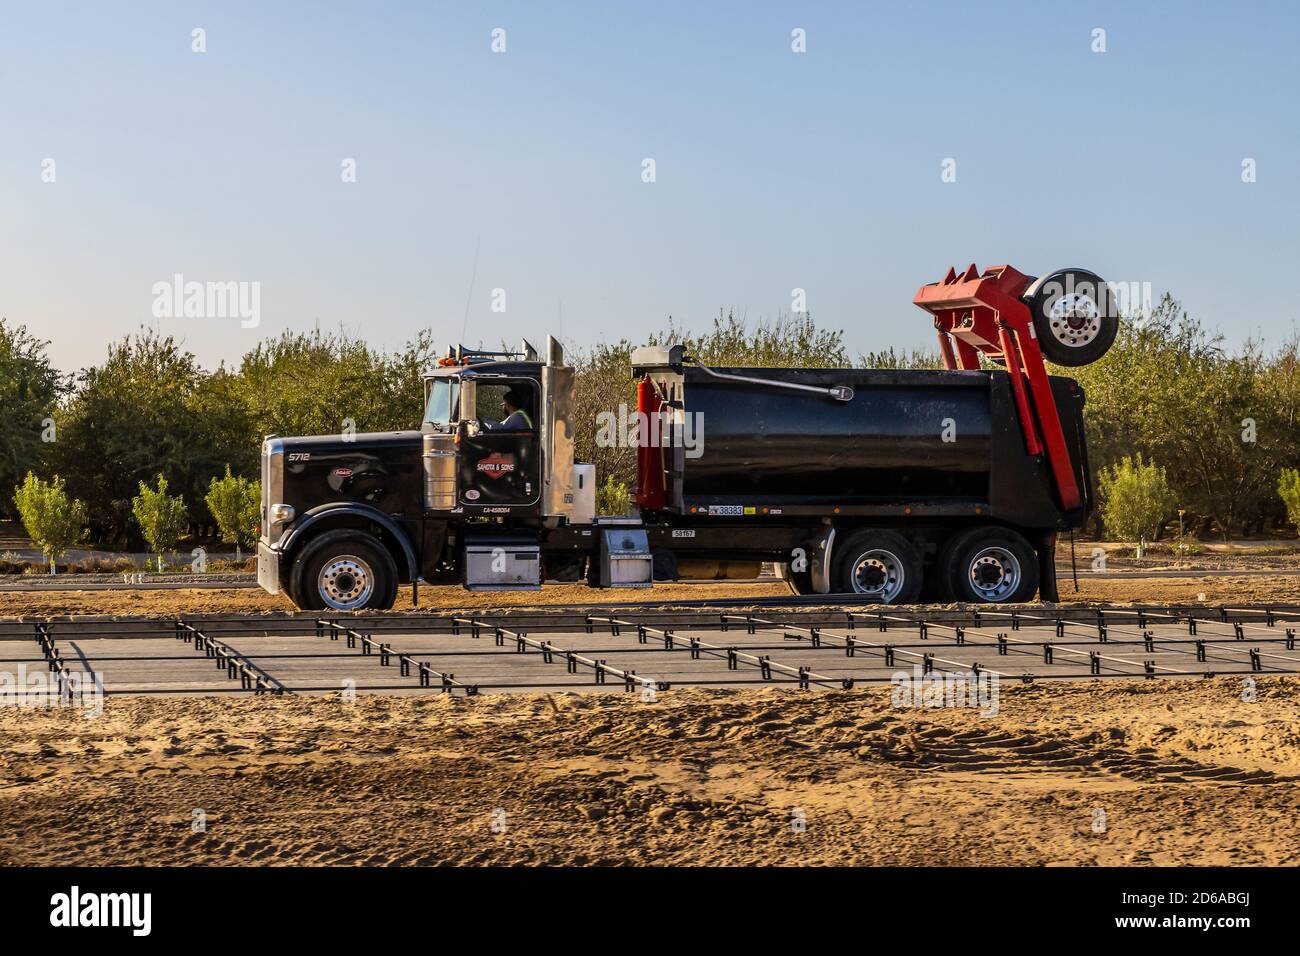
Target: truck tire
x=345, y=570
x=989, y=565
x=1075, y=317
x=878, y=563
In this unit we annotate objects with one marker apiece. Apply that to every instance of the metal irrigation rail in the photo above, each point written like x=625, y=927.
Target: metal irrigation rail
x=572, y=659
x=384, y=652
x=235, y=664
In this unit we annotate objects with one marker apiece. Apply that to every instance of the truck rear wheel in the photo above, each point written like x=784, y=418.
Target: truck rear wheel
x=1075, y=316
x=990, y=565
x=345, y=571
x=880, y=564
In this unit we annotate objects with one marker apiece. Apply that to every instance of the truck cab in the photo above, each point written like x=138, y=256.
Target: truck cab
x=348, y=518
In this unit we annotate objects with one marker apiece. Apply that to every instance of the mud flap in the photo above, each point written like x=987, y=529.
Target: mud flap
x=1047, y=569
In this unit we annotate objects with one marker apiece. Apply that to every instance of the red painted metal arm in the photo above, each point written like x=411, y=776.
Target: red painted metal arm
x=982, y=313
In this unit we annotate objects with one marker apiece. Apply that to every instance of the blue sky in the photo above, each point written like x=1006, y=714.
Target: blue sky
x=774, y=170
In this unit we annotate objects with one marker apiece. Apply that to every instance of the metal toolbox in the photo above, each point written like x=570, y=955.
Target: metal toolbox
x=502, y=565
x=625, y=560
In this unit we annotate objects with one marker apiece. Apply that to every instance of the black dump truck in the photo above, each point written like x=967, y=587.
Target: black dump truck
x=900, y=486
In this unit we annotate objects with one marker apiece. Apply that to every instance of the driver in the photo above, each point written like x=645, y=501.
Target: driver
x=516, y=419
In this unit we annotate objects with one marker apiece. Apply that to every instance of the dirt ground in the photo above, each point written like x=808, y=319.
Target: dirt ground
x=1165, y=773
x=1168, y=772
x=453, y=597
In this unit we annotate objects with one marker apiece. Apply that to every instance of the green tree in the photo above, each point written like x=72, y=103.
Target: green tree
x=52, y=519
x=30, y=388
x=149, y=409
x=162, y=517
x=1288, y=488
x=613, y=497
x=235, y=503
x=1135, y=499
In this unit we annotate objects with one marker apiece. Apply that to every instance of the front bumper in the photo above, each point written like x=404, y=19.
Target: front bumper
x=268, y=568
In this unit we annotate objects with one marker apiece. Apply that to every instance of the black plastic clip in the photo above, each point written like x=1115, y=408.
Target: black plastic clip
x=1238, y=630
x=765, y=667
x=1149, y=669
x=1047, y=653
x=961, y=634
x=816, y=637
x=1200, y=651
x=732, y=662
x=695, y=648
x=927, y=663
x=850, y=646
x=889, y=655
x=1149, y=641
x=1002, y=644
x=803, y=678
x=1094, y=662
x=1255, y=665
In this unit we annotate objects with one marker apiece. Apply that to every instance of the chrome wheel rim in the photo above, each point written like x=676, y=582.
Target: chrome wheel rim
x=1074, y=319
x=346, y=582
x=994, y=574
x=879, y=573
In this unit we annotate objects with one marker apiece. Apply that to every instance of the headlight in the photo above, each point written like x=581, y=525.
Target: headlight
x=282, y=514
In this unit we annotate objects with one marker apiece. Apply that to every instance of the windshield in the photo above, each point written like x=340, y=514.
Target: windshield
x=444, y=399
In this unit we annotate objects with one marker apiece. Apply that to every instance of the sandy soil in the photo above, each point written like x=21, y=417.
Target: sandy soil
x=1185, y=772
x=1231, y=590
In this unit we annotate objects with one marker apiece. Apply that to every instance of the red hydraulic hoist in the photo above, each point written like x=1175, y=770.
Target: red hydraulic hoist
x=992, y=313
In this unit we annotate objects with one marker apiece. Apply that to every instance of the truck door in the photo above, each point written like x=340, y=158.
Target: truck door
x=499, y=467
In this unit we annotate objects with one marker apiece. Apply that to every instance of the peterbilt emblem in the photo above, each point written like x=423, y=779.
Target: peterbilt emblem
x=343, y=472
x=496, y=464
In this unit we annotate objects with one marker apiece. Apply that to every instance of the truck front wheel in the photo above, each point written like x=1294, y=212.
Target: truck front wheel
x=345, y=571
x=878, y=564
x=990, y=565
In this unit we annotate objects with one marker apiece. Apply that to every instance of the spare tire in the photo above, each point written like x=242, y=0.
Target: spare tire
x=1075, y=316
